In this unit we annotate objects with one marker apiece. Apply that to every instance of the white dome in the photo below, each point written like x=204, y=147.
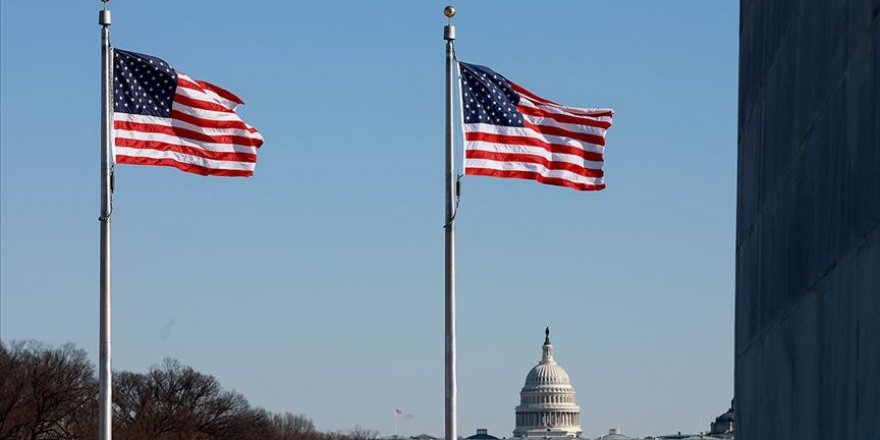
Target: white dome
x=547, y=407
x=547, y=374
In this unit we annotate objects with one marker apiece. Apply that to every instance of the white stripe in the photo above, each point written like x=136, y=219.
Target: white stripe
x=198, y=94
x=533, y=151
x=577, y=128
x=185, y=158
x=210, y=94
x=540, y=169
x=176, y=140
x=205, y=114
x=206, y=96
x=231, y=105
x=566, y=110
x=528, y=132
x=177, y=123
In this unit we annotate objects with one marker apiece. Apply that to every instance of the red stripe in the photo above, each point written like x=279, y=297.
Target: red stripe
x=568, y=119
x=532, y=142
x=183, y=82
x=188, y=167
x=533, y=176
x=183, y=149
x=204, y=105
x=530, y=158
x=557, y=131
x=188, y=134
x=210, y=123
x=202, y=85
x=533, y=97
x=226, y=94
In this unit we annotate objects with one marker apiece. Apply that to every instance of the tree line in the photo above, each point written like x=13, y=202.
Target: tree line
x=51, y=393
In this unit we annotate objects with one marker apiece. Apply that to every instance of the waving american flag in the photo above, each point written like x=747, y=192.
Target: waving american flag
x=511, y=132
x=163, y=117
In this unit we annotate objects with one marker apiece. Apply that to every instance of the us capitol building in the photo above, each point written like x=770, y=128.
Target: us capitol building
x=547, y=407
x=547, y=410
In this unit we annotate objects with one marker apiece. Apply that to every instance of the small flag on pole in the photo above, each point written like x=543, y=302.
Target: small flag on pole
x=511, y=132
x=163, y=117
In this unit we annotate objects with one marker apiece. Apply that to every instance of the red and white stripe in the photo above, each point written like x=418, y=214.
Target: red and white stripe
x=204, y=135
x=558, y=145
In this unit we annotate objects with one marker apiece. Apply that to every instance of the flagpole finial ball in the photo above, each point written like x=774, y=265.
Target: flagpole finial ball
x=449, y=11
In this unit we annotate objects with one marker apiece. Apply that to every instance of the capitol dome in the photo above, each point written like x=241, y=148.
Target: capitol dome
x=547, y=407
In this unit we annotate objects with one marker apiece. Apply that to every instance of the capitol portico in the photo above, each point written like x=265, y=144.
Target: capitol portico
x=547, y=407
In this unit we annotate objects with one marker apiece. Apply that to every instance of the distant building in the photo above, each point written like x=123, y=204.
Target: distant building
x=681, y=436
x=547, y=407
x=614, y=434
x=482, y=434
x=722, y=427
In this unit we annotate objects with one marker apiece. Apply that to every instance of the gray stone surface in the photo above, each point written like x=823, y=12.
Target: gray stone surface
x=808, y=221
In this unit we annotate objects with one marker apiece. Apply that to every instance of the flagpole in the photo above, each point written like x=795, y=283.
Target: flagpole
x=104, y=372
x=451, y=390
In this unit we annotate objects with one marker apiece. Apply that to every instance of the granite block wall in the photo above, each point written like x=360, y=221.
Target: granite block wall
x=808, y=221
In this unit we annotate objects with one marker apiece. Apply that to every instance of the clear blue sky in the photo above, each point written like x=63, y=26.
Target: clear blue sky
x=316, y=286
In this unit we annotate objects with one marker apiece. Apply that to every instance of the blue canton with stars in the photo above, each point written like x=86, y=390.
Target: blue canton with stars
x=488, y=97
x=142, y=84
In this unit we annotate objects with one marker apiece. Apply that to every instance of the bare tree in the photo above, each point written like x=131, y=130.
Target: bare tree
x=44, y=391
x=52, y=394
x=174, y=402
x=361, y=433
x=12, y=390
x=289, y=426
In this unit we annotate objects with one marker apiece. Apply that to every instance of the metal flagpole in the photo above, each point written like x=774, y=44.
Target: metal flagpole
x=451, y=391
x=105, y=398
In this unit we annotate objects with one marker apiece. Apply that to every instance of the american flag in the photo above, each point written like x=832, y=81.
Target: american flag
x=511, y=132
x=163, y=117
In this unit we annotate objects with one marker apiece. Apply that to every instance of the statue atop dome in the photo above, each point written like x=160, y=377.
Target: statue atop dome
x=547, y=336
